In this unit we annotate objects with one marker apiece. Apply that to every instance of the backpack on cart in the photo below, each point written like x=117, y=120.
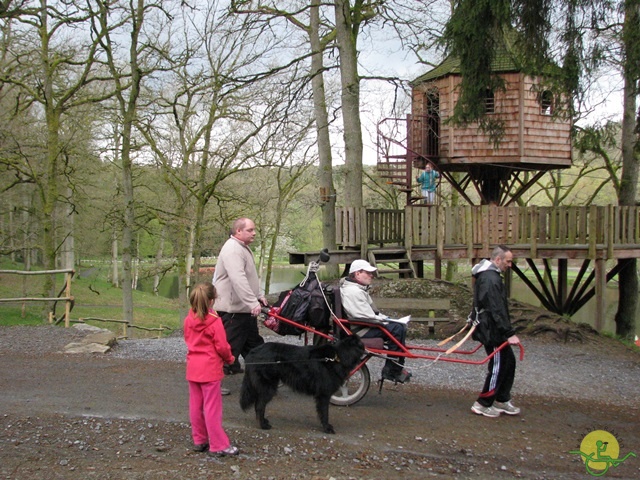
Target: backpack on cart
x=305, y=304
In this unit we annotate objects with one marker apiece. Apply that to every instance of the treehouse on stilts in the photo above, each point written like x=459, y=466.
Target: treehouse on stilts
x=493, y=177
x=526, y=135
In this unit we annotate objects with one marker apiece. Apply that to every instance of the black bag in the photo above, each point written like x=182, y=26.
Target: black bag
x=305, y=304
x=297, y=305
x=277, y=325
x=319, y=314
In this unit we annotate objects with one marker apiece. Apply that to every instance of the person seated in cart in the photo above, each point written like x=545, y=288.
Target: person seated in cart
x=358, y=305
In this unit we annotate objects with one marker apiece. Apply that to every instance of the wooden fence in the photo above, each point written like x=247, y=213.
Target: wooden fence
x=588, y=228
x=68, y=299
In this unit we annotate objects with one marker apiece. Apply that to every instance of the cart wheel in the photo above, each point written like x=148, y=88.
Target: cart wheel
x=354, y=389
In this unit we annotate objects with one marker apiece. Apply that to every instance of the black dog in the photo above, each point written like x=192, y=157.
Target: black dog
x=313, y=370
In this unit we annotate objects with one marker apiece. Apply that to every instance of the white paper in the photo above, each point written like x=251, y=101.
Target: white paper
x=403, y=320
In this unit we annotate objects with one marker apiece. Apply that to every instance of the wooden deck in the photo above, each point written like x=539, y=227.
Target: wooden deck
x=439, y=232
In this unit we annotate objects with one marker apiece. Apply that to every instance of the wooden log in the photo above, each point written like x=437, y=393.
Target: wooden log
x=37, y=272
x=36, y=299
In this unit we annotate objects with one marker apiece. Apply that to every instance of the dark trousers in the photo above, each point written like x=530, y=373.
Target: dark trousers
x=399, y=332
x=242, y=334
x=502, y=371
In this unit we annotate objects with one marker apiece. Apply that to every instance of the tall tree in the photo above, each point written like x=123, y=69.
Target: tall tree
x=628, y=193
x=348, y=21
x=128, y=70
x=217, y=112
x=320, y=35
x=325, y=160
x=55, y=68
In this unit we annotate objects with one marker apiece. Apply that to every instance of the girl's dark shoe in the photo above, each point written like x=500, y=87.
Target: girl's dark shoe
x=200, y=447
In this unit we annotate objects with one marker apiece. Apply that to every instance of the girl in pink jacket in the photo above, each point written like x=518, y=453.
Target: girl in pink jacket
x=207, y=352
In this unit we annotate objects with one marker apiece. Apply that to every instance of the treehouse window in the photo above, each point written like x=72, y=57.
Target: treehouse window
x=546, y=102
x=489, y=101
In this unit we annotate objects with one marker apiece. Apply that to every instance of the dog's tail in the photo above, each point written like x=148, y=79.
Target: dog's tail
x=247, y=393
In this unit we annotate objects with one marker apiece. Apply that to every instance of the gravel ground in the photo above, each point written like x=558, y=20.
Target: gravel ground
x=601, y=370
x=121, y=415
x=549, y=368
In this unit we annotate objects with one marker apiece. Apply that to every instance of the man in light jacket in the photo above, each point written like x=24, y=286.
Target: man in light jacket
x=358, y=305
x=239, y=299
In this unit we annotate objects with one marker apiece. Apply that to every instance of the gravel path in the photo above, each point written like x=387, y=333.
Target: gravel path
x=123, y=415
x=601, y=370
x=550, y=369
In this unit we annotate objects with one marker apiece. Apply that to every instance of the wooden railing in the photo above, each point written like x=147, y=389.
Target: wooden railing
x=381, y=226
x=68, y=298
x=589, y=228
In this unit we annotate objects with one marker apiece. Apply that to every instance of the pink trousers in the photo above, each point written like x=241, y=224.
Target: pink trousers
x=205, y=413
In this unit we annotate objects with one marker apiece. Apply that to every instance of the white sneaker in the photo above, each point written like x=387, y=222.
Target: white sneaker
x=506, y=407
x=490, y=412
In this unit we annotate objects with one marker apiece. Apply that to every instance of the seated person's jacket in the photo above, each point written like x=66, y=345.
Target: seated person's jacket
x=358, y=305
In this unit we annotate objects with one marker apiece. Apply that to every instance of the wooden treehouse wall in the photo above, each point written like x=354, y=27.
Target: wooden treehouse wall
x=530, y=136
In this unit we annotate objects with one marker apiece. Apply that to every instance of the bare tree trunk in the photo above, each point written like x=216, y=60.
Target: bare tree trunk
x=11, y=229
x=26, y=232
x=189, y=261
x=68, y=244
x=159, y=256
x=129, y=220
x=628, y=277
x=325, y=167
x=127, y=106
x=115, y=276
x=346, y=36
x=281, y=205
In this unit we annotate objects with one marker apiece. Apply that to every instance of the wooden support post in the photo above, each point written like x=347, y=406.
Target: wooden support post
x=601, y=285
x=67, y=303
x=563, y=271
x=418, y=265
x=484, y=226
x=468, y=222
x=408, y=228
x=534, y=232
x=612, y=222
x=593, y=231
x=440, y=241
x=408, y=235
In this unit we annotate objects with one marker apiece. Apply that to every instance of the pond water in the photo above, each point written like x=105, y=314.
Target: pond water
x=284, y=278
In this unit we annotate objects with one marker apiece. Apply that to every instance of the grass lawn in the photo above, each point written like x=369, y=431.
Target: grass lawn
x=94, y=298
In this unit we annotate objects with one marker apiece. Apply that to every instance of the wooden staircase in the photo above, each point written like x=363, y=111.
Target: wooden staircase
x=395, y=159
x=384, y=259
